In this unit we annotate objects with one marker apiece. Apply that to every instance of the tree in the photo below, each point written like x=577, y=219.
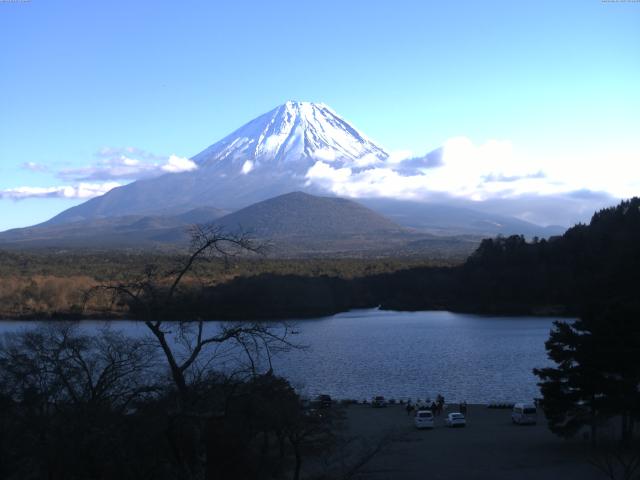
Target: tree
x=618, y=463
x=597, y=375
x=156, y=296
x=65, y=400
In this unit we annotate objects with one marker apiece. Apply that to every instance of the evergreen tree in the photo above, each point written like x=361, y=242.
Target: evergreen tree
x=597, y=375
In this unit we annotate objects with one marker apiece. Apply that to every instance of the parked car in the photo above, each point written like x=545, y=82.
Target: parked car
x=524, y=414
x=424, y=419
x=324, y=401
x=455, y=419
x=378, y=401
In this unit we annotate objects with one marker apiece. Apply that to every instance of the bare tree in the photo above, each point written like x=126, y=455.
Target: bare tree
x=59, y=365
x=189, y=346
x=618, y=463
x=154, y=293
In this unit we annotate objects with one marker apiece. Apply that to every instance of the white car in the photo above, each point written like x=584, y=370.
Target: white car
x=524, y=414
x=455, y=420
x=424, y=419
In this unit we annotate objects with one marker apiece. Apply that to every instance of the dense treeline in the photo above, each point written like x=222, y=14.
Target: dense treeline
x=592, y=263
x=120, y=264
x=52, y=285
x=595, y=263
x=589, y=263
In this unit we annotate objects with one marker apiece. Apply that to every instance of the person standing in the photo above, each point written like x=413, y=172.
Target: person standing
x=409, y=408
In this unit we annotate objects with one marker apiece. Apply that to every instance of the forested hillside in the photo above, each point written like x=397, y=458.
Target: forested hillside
x=595, y=263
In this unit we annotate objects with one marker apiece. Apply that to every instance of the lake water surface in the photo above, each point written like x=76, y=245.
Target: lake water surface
x=363, y=353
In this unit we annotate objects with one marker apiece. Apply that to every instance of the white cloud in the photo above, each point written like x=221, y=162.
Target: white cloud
x=399, y=156
x=82, y=190
x=35, y=167
x=126, y=163
x=325, y=154
x=247, y=166
x=373, y=182
x=325, y=174
x=494, y=169
x=367, y=161
x=113, y=168
x=177, y=164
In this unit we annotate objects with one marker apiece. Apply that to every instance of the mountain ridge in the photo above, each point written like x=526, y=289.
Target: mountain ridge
x=301, y=214
x=270, y=156
x=266, y=157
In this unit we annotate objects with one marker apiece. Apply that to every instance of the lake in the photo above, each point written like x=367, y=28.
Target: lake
x=402, y=355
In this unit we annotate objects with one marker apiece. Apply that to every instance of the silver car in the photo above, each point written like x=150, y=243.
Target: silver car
x=455, y=419
x=424, y=419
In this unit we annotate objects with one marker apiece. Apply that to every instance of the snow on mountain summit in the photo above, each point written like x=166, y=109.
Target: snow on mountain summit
x=269, y=156
x=293, y=137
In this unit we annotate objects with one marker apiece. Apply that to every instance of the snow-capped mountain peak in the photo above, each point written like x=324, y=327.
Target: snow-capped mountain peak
x=269, y=156
x=292, y=136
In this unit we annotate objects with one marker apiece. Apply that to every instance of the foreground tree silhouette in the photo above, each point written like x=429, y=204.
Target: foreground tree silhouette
x=66, y=398
x=157, y=296
x=597, y=375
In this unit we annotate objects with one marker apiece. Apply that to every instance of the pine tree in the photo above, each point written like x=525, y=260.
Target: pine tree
x=597, y=376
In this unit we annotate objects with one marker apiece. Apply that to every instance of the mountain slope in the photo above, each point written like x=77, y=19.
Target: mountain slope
x=291, y=215
x=454, y=220
x=266, y=157
x=300, y=214
x=292, y=225
x=131, y=231
x=270, y=156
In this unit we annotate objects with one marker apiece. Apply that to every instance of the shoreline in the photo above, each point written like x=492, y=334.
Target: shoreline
x=74, y=316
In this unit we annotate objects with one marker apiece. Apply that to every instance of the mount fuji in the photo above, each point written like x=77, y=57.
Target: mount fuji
x=268, y=156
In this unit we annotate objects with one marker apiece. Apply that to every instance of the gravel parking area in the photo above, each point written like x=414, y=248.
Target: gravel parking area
x=489, y=447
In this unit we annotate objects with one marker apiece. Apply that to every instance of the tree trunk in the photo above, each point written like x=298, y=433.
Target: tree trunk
x=298, y=457
x=627, y=429
x=594, y=423
x=176, y=372
x=265, y=443
x=281, y=447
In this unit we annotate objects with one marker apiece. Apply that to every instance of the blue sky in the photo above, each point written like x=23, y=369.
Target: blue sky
x=556, y=80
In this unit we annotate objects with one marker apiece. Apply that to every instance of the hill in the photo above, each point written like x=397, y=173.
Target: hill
x=302, y=215
x=130, y=231
x=293, y=225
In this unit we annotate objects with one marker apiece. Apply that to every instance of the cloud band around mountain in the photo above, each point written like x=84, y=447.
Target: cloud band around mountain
x=464, y=170
x=127, y=164
x=113, y=168
x=82, y=190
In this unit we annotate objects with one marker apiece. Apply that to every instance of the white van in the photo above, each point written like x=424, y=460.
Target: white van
x=424, y=419
x=524, y=414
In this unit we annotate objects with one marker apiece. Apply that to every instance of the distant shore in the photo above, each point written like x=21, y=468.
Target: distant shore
x=511, y=310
